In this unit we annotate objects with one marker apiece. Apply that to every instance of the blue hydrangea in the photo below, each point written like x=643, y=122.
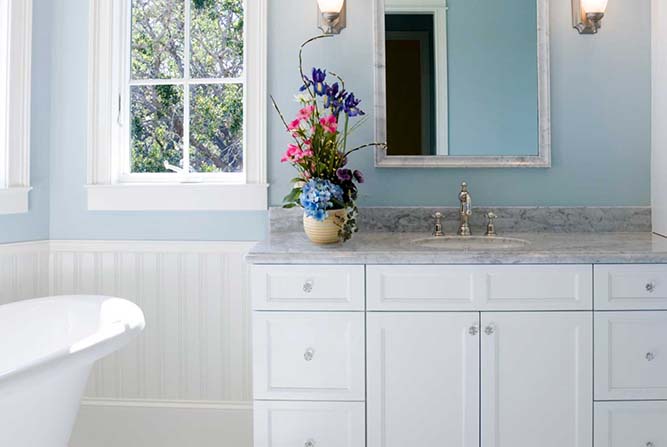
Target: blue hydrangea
x=317, y=196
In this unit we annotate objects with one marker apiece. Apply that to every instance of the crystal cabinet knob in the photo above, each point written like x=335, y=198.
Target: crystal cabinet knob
x=309, y=443
x=308, y=286
x=490, y=329
x=650, y=356
x=650, y=444
x=474, y=330
x=309, y=354
x=650, y=287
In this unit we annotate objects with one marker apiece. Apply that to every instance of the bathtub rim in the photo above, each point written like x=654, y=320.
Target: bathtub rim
x=61, y=358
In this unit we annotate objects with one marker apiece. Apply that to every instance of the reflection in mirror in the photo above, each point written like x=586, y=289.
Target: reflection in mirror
x=463, y=83
x=411, y=108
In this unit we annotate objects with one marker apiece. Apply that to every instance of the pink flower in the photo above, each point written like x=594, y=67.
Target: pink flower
x=294, y=125
x=306, y=112
x=329, y=124
x=295, y=154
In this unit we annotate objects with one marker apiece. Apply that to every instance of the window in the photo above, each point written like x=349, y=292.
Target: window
x=15, y=67
x=177, y=105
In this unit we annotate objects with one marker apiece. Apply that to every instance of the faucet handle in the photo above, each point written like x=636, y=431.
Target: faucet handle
x=438, y=231
x=491, y=225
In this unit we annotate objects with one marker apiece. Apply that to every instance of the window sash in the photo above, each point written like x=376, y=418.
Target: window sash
x=124, y=114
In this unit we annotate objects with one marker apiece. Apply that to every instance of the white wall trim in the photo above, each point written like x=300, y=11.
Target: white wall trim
x=659, y=115
x=177, y=197
x=201, y=405
x=163, y=424
x=15, y=112
x=150, y=246
x=14, y=200
x=108, y=138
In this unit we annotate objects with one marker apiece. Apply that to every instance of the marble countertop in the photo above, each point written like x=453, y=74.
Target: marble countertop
x=398, y=248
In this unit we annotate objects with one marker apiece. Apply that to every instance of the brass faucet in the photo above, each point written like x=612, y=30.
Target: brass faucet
x=465, y=211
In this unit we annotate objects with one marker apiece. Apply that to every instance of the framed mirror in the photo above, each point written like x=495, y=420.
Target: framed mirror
x=462, y=83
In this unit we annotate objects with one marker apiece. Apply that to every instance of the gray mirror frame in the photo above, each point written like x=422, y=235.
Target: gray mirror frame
x=542, y=160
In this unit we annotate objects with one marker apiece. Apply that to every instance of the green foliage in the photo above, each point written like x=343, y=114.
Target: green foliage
x=216, y=111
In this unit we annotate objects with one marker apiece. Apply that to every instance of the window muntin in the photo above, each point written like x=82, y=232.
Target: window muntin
x=186, y=90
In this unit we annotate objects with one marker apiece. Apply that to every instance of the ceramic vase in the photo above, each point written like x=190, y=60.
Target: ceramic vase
x=326, y=231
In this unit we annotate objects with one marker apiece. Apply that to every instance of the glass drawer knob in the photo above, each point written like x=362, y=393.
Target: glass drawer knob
x=489, y=330
x=308, y=286
x=650, y=356
x=474, y=330
x=309, y=354
x=650, y=444
x=309, y=443
x=650, y=287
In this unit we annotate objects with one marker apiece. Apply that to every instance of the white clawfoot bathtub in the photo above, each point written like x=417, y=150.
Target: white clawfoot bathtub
x=47, y=349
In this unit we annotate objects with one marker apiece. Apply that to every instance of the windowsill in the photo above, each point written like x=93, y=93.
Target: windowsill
x=177, y=197
x=14, y=200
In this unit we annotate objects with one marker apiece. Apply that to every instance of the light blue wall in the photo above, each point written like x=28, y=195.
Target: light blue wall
x=492, y=67
x=600, y=92
x=35, y=224
x=600, y=113
x=69, y=217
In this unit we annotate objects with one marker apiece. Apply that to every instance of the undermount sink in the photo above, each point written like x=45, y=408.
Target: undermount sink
x=470, y=243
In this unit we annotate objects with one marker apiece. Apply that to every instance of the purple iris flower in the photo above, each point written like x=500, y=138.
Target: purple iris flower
x=352, y=106
x=331, y=95
x=359, y=177
x=318, y=81
x=344, y=175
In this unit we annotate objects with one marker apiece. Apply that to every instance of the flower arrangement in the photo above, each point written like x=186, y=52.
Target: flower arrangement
x=319, y=150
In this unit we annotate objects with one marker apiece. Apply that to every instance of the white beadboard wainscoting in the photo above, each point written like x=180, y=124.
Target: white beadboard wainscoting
x=187, y=380
x=24, y=271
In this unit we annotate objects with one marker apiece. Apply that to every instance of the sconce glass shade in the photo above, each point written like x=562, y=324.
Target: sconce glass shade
x=594, y=6
x=331, y=6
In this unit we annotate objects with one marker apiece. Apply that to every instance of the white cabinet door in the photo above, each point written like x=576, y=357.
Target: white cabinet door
x=630, y=355
x=309, y=355
x=630, y=424
x=423, y=379
x=303, y=424
x=536, y=375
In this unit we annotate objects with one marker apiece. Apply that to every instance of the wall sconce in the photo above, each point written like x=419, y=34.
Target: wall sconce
x=587, y=15
x=331, y=16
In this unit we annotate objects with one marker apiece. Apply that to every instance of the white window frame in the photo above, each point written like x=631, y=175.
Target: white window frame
x=110, y=185
x=15, y=79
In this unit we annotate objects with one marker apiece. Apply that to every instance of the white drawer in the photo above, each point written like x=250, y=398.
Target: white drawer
x=317, y=424
x=631, y=424
x=512, y=287
x=630, y=355
x=309, y=356
x=307, y=287
x=627, y=287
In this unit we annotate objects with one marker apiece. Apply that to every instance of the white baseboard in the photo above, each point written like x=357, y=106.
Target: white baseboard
x=113, y=423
